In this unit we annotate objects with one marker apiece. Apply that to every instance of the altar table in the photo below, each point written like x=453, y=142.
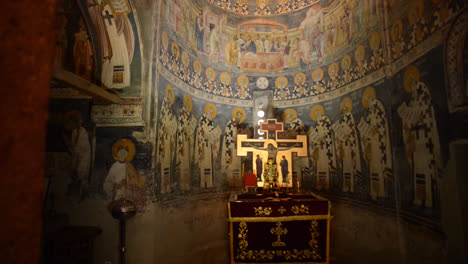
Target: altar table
x=279, y=228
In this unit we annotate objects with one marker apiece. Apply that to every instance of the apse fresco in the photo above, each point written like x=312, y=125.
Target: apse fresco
x=280, y=44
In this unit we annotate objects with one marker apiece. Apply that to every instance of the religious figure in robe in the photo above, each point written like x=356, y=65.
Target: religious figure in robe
x=230, y=162
x=300, y=86
x=214, y=40
x=333, y=80
x=361, y=64
x=398, y=43
x=240, y=7
x=249, y=46
x=262, y=8
x=225, y=86
x=83, y=53
x=283, y=7
x=281, y=91
x=377, y=59
x=196, y=79
x=167, y=128
x=164, y=52
x=122, y=180
x=375, y=142
x=259, y=166
x=418, y=28
x=210, y=85
x=207, y=145
x=199, y=32
x=347, y=146
x=421, y=138
x=243, y=91
x=116, y=41
x=318, y=84
x=322, y=148
x=284, y=169
x=185, y=141
x=231, y=51
x=76, y=140
x=347, y=75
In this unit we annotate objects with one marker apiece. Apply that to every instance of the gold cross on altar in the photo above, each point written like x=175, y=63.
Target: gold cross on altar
x=278, y=231
x=279, y=148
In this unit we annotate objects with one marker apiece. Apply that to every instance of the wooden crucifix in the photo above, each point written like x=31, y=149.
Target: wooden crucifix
x=280, y=150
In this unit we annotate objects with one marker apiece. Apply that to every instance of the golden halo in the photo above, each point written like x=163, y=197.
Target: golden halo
x=283, y=80
x=369, y=91
x=375, y=41
x=413, y=72
x=185, y=58
x=360, y=52
x=211, y=72
x=188, y=103
x=266, y=2
x=169, y=89
x=126, y=144
x=317, y=75
x=165, y=40
x=296, y=78
x=239, y=110
x=243, y=79
x=197, y=67
x=225, y=78
x=331, y=67
x=346, y=62
x=314, y=109
x=175, y=50
x=213, y=107
x=349, y=102
x=285, y=115
x=398, y=25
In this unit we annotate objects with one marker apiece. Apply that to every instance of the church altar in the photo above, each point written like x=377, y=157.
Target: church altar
x=279, y=228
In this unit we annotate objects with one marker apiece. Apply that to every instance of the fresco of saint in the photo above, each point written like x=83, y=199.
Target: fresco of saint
x=421, y=137
x=347, y=146
x=230, y=162
x=167, y=128
x=207, y=145
x=322, y=149
x=185, y=142
x=375, y=141
x=122, y=180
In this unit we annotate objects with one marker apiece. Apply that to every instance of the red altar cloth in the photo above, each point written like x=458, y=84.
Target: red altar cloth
x=283, y=228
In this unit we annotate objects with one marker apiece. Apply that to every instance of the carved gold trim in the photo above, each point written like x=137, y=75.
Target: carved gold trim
x=280, y=218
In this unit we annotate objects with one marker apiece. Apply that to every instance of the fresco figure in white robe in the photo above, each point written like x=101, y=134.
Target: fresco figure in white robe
x=167, y=127
x=122, y=180
x=116, y=40
x=230, y=162
x=76, y=139
x=421, y=137
x=375, y=142
x=294, y=127
x=185, y=141
x=207, y=145
x=347, y=146
x=322, y=149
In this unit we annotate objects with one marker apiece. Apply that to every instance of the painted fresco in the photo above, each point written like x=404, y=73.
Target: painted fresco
x=303, y=40
x=74, y=50
x=114, y=36
x=70, y=147
x=196, y=148
x=122, y=166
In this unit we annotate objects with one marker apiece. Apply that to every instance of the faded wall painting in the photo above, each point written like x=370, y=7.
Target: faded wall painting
x=114, y=36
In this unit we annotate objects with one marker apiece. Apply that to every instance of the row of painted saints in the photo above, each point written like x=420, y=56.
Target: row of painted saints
x=262, y=8
x=350, y=71
x=331, y=145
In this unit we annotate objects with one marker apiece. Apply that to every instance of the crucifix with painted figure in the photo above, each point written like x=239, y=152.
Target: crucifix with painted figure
x=273, y=152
